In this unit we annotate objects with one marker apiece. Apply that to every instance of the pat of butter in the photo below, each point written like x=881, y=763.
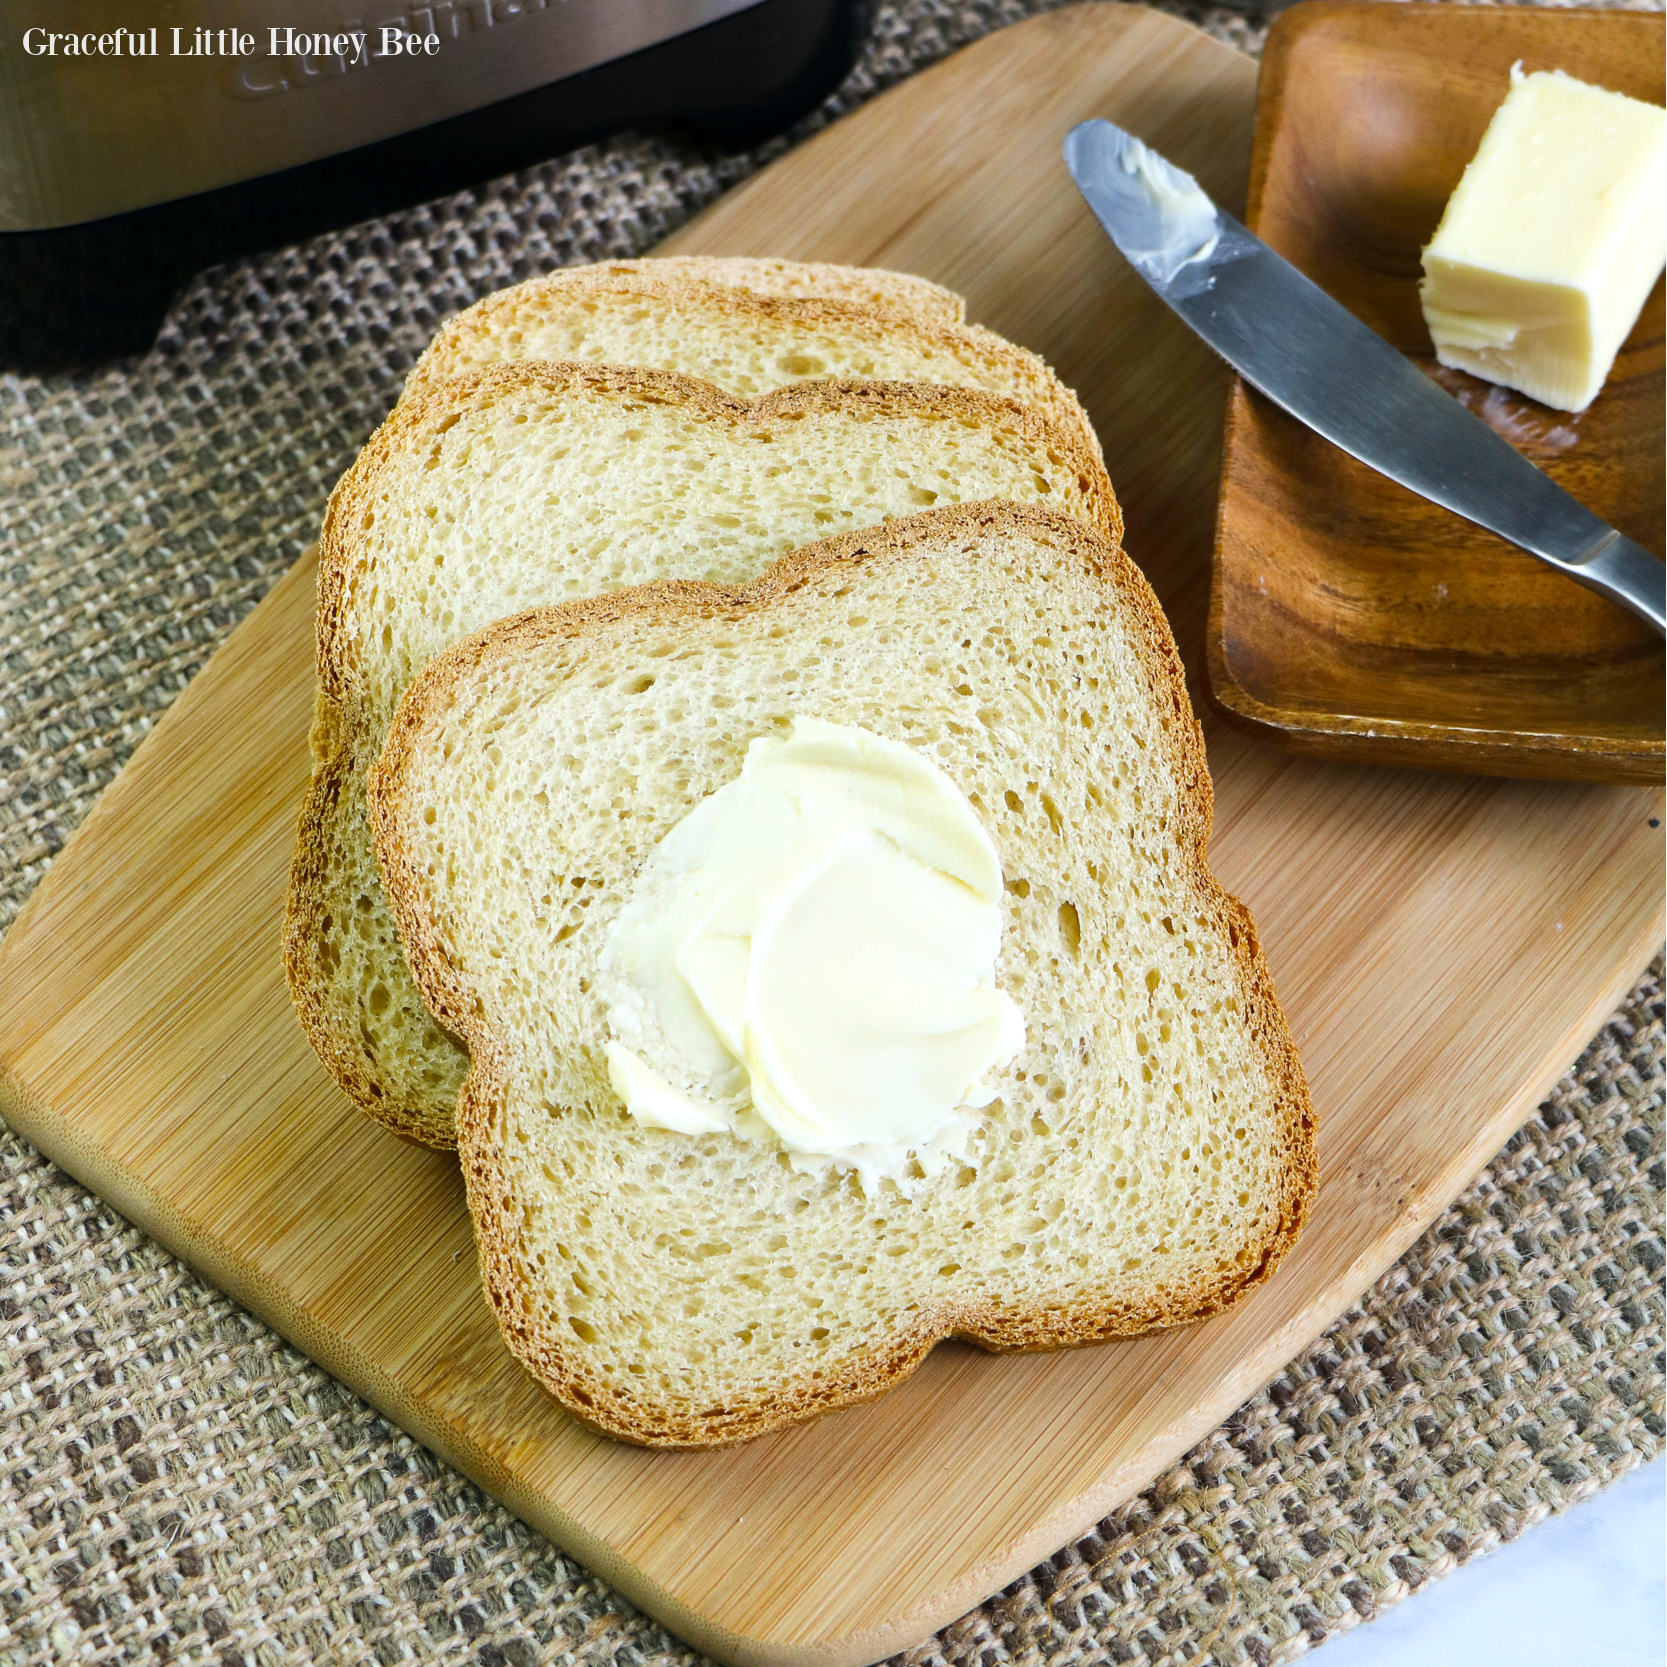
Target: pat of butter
x=810, y=955
x=1552, y=241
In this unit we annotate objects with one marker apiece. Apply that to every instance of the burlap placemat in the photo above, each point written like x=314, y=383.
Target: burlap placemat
x=178, y=1484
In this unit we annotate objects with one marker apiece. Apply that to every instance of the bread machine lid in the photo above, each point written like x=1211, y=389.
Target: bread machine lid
x=99, y=117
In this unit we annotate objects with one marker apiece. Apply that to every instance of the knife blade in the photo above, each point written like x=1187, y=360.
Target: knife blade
x=1310, y=355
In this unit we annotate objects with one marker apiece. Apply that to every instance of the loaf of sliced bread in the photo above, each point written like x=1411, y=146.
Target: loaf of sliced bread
x=747, y=344
x=535, y=483
x=1150, y=1154
x=871, y=286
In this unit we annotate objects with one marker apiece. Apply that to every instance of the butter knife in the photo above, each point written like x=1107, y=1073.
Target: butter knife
x=1286, y=337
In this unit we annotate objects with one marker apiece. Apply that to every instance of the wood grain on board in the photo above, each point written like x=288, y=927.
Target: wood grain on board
x=1443, y=945
x=1350, y=617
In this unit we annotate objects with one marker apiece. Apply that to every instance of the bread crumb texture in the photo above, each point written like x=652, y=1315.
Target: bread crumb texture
x=531, y=484
x=1151, y=1151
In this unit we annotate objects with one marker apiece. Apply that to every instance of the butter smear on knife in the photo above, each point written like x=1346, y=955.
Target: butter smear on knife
x=1552, y=241
x=1179, y=224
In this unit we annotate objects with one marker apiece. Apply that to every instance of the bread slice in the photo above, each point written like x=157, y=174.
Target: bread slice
x=1151, y=1152
x=746, y=344
x=535, y=483
x=870, y=286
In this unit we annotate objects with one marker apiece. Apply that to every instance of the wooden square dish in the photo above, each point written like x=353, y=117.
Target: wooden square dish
x=1350, y=618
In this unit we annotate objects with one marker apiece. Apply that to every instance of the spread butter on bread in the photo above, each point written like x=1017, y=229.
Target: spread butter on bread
x=1149, y=1155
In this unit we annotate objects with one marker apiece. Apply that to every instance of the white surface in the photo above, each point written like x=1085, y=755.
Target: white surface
x=1586, y=1588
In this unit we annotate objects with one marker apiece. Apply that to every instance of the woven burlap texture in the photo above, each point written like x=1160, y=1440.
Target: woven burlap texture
x=181, y=1485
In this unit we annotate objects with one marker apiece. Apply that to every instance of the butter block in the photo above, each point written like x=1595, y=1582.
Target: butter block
x=1552, y=241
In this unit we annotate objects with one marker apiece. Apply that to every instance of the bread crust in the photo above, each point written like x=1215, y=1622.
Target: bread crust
x=876, y=286
x=457, y=347
x=483, y=1104
x=344, y=740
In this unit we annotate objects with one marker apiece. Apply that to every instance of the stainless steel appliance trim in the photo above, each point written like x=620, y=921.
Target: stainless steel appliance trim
x=99, y=117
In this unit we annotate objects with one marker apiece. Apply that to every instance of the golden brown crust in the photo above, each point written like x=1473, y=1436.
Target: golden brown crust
x=344, y=744
x=481, y=328
x=484, y=1099
x=307, y=966
x=897, y=292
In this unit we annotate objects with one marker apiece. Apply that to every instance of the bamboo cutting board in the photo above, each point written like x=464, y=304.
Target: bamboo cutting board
x=1443, y=946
